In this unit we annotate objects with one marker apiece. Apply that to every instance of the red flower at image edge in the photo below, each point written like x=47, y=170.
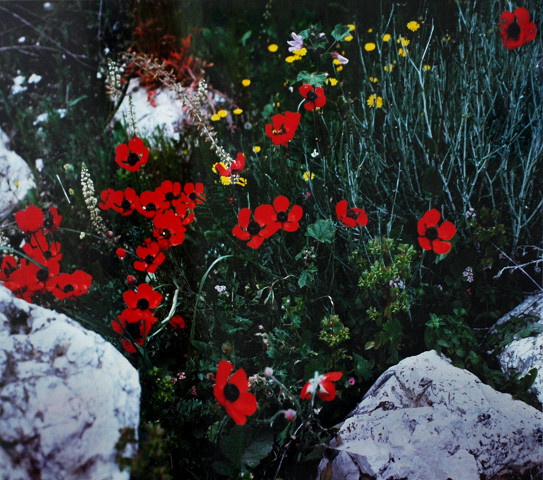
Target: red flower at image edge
x=314, y=96
x=256, y=231
x=325, y=389
x=283, y=127
x=288, y=221
x=231, y=393
x=516, y=28
x=351, y=217
x=432, y=237
x=132, y=156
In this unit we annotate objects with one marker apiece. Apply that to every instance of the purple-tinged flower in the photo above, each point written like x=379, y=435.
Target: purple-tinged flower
x=351, y=381
x=340, y=58
x=296, y=43
x=290, y=414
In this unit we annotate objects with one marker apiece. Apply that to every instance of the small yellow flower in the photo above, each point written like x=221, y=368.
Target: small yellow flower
x=308, y=176
x=446, y=39
x=374, y=101
x=336, y=62
x=413, y=26
x=402, y=52
x=373, y=79
x=301, y=52
x=225, y=180
x=241, y=181
x=273, y=47
x=427, y=67
x=404, y=42
x=292, y=58
x=339, y=68
x=348, y=38
x=389, y=67
x=17, y=183
x=331, y=81
x=256, y=149
x=215, y=117
x=370, y=30
x=237, y=111
x=370, y=47
x=351, y=27
x=387, y=37
x=246, y=82
x=222, y=113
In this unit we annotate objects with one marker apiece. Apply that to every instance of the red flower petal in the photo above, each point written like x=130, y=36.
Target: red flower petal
x=341, y=209
x=223, y=372
x=281, y=203
x=428, y=220
x=446, y=231
x=244, y=217
x=425, y=243
x=440, y=247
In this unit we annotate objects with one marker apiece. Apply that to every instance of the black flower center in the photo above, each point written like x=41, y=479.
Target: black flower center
x=68, y=288
x=311, y=96
x=166, y=233
x=231, y=392
x=431, y=233
x=8, y=270
x=132, y=159
x=149, y=259
x=42, y=275
x=352, y=214
x=133, y=329
x=150, y=207
x=47, y=255
x=193, y=196
x=513, y=31
x=143, y=304
x=282, y=216
x=126, y=204
x=253, y=228
x=169, y=196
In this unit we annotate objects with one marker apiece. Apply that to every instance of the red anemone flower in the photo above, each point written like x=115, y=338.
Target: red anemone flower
x=323, y=385
x=30, y=220
x=46, y=254
x=150, y=202
x=261, y=227
x=431, y=237
x=122, y=201
x=351, y=217
x=70, y=285
x=232, y=393
x=177, y=322
x=236, y=167
x=193, y=194
x=288, y=221
x=135, y=325
x=51, y=220
x=168, y=229
x=314, y=96
x=172, y=193
x=150, y=255
x=132, y=156
x=144, y=300
x=8, y=266
x=283, y=127
x=516, y=28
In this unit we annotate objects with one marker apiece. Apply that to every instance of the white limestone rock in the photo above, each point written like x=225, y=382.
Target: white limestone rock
x=16, y=178
x=526, y=353
x=424, y=419
x=64, y=394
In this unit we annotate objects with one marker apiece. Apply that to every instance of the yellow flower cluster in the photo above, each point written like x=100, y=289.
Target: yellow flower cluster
x=297, y=55
x=374, y=101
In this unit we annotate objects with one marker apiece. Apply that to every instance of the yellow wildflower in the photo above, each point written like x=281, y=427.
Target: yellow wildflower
x=215, y=118
x=370, y=30
x=256, y=149
x=387, y=37
x=389, y=67
x=308, y=176
x=246, y=82
x=402, y=52
x=348, y=38
x=374, y=101
x=339, y=68
x=370, y=47
x=373, y=79
x=413, y=26
x=427, y=67
x=351, y=27
x=273, y=47
x=237, y=111
x=301, y=52
x=222, y=113
x=404, y=42
x=331, y=81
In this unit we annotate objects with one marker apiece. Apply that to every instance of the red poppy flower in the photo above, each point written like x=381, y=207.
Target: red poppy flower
x=51, y=220
x=46, y=254
x=325, y=389
x=432, y=237
x=315, y=96
x=351, y=217
x=150, y=203
x=123, y=201
x=29, y=279
x=8, y=266
x=30, y=220
x=132, y=156
x=183, y=212
x=106, y=198
x=232, y=393
x=177, y=322
x=120, y=252
x=172, y=193
x=70, y=285
x=283, y=127
x=261, y=227
x=168, y=229
x=134, y=325
x=131, y=280
x=193, y=194
x=151, y=256
x=144, y=300
x=288, y=221
x=516, y=28
x=236, y=167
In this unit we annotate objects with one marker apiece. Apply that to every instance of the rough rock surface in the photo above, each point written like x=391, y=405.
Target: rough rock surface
x=64, y=394
x=424, y=419
x=16, y=178
x=526, y=353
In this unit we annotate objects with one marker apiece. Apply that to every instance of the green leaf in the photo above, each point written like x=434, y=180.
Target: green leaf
x=528, y=380
x=363, y=367
x=246, y=445
x=443, y=342
x=315, y=79
x=340, y=32
x=246, y=37
x=321, y=230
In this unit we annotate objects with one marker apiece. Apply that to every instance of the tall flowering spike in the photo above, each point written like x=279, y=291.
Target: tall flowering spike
x=232, y=394
x=516, y=28
x=132, y=156
x=283, y=127
x=432, y=237
x=314, y=96
x=323, y=386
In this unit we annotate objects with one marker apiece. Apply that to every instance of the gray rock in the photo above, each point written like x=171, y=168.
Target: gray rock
x=424, y=419
x=64, y=394
x=526, y=353
x=16, y=178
